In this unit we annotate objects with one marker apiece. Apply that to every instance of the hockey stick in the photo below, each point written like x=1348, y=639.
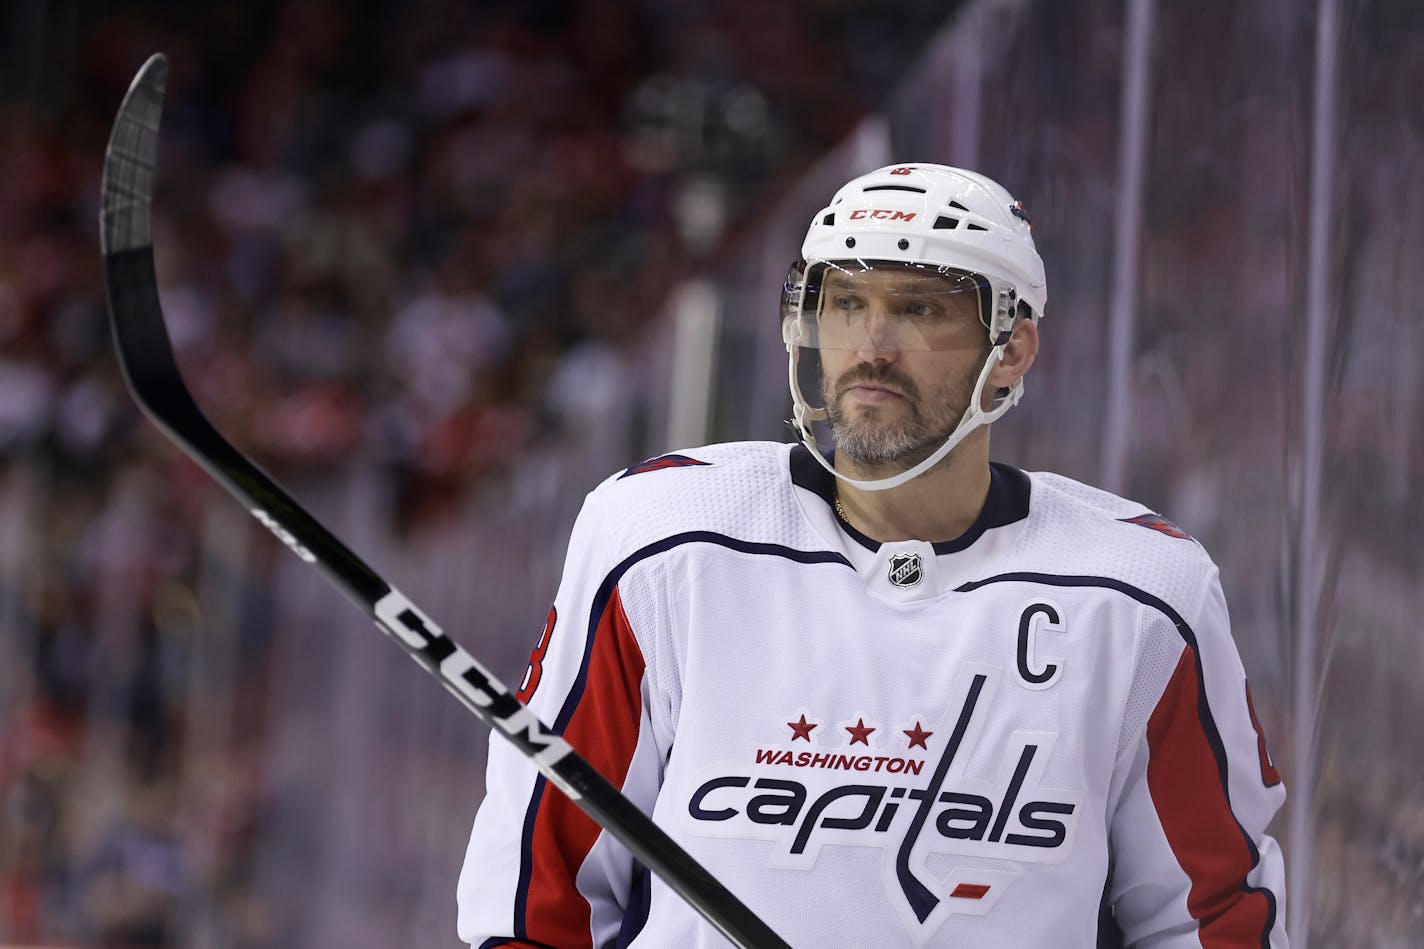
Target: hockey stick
x=151, y=371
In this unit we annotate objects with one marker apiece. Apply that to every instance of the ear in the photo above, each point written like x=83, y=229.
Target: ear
x=1019, y=354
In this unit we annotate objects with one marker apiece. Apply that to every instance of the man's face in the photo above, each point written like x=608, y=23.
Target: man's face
x=900, y=353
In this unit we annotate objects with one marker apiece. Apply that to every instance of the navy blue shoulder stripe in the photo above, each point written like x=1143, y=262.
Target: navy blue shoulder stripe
x=600, y=603
x=605, y=590
x=1106, y=583
x=1208, y=723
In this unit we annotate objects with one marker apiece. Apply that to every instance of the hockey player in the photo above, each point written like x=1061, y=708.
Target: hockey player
x=900, y=695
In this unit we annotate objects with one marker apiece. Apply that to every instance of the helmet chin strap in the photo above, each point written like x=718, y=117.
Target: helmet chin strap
x=973, y=417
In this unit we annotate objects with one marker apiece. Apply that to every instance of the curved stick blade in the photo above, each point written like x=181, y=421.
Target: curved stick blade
x=125, y=221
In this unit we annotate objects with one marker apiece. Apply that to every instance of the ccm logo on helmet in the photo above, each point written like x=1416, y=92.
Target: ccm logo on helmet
x=882, y=214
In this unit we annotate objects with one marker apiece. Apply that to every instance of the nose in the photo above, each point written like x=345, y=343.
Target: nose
x=882, y=337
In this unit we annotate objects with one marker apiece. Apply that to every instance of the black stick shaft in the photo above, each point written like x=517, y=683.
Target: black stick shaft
x=152, y=374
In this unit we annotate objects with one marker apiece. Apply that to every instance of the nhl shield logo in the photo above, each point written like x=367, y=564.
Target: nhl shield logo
x=906, y=570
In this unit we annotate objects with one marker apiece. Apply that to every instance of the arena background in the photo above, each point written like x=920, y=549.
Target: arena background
x=442, y=267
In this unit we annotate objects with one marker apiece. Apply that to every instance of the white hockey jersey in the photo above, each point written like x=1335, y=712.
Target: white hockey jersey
x=1038, y=734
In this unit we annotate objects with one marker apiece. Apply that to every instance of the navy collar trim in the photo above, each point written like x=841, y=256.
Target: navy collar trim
x=1007, y=502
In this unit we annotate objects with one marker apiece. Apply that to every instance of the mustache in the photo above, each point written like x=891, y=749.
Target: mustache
x=887, y=376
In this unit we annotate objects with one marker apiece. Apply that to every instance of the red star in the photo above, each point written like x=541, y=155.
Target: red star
x=918, y=736
x=801, y=729
x=858, y=732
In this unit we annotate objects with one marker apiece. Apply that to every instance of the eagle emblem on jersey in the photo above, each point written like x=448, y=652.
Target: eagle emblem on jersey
x=1157, y=523
x=661, y=462
x=906, y=570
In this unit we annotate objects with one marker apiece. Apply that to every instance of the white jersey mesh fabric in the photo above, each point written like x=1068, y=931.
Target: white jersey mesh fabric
x=953, y=767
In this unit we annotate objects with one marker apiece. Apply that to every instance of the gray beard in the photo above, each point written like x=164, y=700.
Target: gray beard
x=876, y=446
x=879, y=447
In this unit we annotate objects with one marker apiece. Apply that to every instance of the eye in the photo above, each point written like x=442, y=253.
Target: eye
x=845, y=302
x=923, y=310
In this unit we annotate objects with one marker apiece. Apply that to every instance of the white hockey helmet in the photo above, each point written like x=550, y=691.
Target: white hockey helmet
x=934, y=219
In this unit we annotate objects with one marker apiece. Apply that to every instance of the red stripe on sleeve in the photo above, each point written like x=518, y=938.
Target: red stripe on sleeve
x=604, y=729
x=1192, y=804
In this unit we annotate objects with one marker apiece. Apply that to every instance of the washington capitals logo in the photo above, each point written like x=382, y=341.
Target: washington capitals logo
x=661, y=462
x=801, y=796
x=1157, y=523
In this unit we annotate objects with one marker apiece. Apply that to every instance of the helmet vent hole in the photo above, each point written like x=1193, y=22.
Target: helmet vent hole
x=975, y=227
x=943, y=223
x=829, y=220
x=892, y=188
x=957, y=206
x=903, y=244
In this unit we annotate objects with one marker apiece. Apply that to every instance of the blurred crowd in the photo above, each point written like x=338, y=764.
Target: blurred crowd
x=405, y=251
x=399, y=230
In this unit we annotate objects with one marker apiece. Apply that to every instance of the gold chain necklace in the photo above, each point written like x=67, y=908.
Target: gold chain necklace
x=839, y=510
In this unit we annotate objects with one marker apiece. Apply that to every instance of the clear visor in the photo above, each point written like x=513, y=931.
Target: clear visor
x=867, y=306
